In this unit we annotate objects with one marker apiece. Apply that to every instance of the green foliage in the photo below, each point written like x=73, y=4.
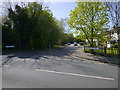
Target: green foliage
x=115, y=45
x=67, y=38
x=90, y=19
x=31, y=27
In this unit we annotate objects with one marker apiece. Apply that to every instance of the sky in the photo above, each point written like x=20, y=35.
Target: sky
x=61, y=9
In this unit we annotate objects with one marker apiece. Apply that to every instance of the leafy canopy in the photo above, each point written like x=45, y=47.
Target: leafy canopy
x=90, y=19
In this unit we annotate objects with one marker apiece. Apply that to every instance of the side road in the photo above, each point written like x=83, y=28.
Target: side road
x=88, y=56
x=73, y=51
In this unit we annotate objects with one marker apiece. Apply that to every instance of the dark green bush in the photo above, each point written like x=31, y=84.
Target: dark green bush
x=115, y=45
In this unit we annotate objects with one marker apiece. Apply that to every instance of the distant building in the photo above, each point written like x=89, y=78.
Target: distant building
x=114, y=36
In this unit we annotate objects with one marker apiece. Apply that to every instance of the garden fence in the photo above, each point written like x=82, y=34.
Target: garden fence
x=103, y=51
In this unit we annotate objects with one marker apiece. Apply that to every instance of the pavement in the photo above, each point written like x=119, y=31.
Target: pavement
x=88, y=56
x=56, y=68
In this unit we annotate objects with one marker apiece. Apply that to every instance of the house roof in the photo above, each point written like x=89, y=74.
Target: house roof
x=115, y=28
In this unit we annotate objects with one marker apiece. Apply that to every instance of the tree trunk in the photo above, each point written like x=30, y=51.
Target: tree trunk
x=92, y=43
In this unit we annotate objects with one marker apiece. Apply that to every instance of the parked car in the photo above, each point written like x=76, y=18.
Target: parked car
x=81, y=43
x=75, y=43
x=68, y=43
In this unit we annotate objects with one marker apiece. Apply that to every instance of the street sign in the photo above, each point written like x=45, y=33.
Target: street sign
x=92, y=47
x=11, y=46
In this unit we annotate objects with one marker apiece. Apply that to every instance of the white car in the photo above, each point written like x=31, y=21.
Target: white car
x=75, y=43
x=68, y=43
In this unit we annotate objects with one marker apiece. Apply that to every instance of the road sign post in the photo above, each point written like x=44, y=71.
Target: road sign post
x=9, y=47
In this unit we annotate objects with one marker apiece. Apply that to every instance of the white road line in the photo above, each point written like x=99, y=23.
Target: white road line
x=74, y=74
x=5, y=65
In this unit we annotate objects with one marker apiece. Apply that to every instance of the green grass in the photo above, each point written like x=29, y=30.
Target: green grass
x=55, y=46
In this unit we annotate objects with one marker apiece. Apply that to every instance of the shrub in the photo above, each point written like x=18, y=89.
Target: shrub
x=115, y=45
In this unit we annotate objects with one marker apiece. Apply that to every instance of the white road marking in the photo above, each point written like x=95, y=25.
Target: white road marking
x=74, y=74
x=5, y=65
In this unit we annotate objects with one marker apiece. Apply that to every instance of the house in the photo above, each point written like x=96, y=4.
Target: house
x=114, y=36
x=111, y=37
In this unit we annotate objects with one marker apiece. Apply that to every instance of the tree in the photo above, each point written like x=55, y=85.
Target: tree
x=33, y=27
x=90, y=19
x=7, y=35
x=68, y=38
x=19, y=17
x=114, y=14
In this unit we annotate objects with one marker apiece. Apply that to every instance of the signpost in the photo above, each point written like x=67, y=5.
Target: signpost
x=11, y=46
x=92, y=47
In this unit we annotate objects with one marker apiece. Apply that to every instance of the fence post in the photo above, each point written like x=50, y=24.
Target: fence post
x=105, y=50
x=84, y=48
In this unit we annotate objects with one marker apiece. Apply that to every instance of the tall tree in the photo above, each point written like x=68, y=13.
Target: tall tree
x=19, y=17
x=33, y=25
x=90, y=18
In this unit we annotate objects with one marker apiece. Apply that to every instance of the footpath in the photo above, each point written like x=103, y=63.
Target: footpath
x=88, y=56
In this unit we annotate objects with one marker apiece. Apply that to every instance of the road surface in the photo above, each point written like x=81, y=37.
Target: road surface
x=56, y=69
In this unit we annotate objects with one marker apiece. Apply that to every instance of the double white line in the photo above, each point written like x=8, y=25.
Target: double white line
x=74, y=74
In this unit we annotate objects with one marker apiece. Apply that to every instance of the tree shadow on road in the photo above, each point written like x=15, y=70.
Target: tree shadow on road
x=36, y=55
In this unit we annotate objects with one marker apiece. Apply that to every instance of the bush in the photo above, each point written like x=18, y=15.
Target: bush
x=115, y=45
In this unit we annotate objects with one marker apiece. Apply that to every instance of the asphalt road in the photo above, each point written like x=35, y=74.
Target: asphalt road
x=56, y=69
